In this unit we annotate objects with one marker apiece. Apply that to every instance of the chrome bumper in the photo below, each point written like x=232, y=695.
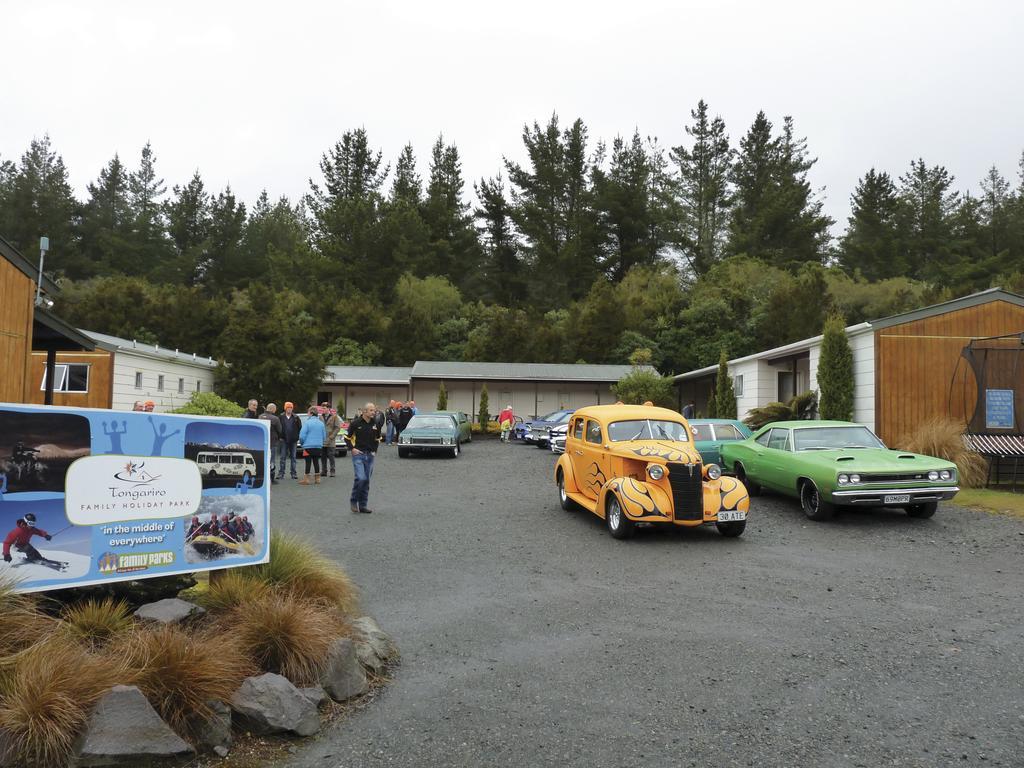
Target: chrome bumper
x=874, y=496
x=428, y=446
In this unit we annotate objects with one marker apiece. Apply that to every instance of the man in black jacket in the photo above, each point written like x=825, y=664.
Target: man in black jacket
x=405, y=415
x=250, y=411
x=290, y=428
x=365, y=437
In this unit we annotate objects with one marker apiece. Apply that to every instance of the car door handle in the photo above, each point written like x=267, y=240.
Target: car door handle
x=579, y=453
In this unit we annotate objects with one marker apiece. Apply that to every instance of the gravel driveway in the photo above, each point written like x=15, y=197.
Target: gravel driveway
x=530, y=637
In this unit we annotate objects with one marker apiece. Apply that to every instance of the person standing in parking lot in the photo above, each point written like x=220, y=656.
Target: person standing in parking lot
x=391, y=419
x=291, y=425
x=275, y=436
x=365, y=437
x=506, y=420
x=332, y=423
x=313, y=437
x=250, y=411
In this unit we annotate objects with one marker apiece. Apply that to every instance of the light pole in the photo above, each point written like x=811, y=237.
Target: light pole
x=44, y=246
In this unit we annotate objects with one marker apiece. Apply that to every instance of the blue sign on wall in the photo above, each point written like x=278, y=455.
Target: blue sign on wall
x=999, y=409
x=90, y=496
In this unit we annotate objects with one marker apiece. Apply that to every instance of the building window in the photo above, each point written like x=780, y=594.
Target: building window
x=160, y=383
x=138, y=379
x=737, y=385
x=181, y=386
x=199, y=385
x=68, y=377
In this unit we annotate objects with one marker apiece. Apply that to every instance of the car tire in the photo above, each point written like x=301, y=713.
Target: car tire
x=732, y=529
x=455, y=451
x=563, y=498
x=403, y=453
x=924, y=510
x=753, y=489
x=619, y=526
x=812, y=504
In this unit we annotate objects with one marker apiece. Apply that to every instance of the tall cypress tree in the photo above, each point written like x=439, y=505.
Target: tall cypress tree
x=871, y=243
x=702, y=194
x=725, y=395
x=835, y=372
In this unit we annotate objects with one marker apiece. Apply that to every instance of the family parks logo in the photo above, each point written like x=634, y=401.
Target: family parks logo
x=105, y=489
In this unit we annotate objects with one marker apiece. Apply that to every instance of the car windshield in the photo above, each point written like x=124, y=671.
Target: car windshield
x=831, y=438
x=647, y=429
x=701, y=431
x=430, y=422
x=559, y=417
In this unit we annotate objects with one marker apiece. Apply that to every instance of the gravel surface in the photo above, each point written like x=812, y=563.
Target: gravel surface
x=530, y=637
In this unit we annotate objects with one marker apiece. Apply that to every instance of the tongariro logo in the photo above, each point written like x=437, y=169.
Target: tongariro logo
x=136, y=474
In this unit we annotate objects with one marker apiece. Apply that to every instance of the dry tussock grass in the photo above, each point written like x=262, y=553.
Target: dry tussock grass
x=180, y=671
x=22, y=623
x=95, y=622
x=297, y=567
x=232, y=588
x=47, y=695
x=285, y=633
x=944, y=439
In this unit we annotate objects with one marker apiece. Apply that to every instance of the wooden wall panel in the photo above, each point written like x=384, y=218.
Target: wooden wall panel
x=16, y=302
x=917, y=363
x=101, y=378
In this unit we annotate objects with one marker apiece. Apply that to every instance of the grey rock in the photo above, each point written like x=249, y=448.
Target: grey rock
x=170, y=610
x=214, y=731
x=369, y=632
x=124, y=729
x=221, y=751
x=343, y=677
x=314, y=693
x=271, y=704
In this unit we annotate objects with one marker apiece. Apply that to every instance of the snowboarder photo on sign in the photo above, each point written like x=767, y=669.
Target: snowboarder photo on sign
x=21, y=535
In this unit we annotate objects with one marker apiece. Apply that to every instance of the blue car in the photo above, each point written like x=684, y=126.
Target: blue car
x=538, y=429
x=710, y=434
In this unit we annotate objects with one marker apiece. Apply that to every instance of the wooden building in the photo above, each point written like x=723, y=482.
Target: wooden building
x=907, y=368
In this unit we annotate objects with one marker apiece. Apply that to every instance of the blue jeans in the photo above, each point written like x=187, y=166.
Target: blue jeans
x=286, y=450
x=390, y=432
x=362, y=464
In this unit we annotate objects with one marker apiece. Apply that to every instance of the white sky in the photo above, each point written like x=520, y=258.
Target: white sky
x=252, y=93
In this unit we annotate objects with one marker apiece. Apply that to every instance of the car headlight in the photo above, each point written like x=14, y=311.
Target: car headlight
x=933, y=475
x=854, y=478
x=656, y=471
x=446, y=441
x=844, y=479
x=945, y=474
x=713, y=471
x=405, y=438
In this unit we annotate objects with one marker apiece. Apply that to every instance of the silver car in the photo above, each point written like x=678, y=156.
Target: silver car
x=556, y=438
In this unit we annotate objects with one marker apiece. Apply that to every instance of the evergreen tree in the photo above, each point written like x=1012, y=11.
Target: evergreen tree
x=724, y=397
x=406, y=187
x=503, y=269
x=276, y=242
x=795, y=308
x=39, y=202
x=835, y=372
x=643, y=385
x=483, y=416
x=871, y=243
x=227, y=265
x=188, y=225
x=442, y=398
x=996, y=215
x=927, y=203
x=702, y=195
x=403, y=237
x=150, y=248
x=107, y=221
x=453, y=251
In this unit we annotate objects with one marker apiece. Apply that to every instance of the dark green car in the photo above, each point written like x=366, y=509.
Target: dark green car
x=709, y=435
x=827, y=464
x=465, y=425
x=428, y=432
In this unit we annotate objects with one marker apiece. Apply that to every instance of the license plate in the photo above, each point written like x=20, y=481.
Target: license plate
x=728, y=516
x=901, y=499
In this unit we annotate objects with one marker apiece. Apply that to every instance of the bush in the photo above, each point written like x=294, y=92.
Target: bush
x=180, y=672
x=22, y=623
x=94, y=622
x=285, y=633
x=835, y=372
x=797, y=408
x=47, y=696
x=643, y=384
x=209, y=404
x=944, y=439
x=230, y=589
x=724, y=397
x=483, y=416
x=442, y=398
x=297, y=567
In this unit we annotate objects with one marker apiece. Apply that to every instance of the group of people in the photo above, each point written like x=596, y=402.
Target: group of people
x=396, y=418
x=231, y=526
x=318, y=435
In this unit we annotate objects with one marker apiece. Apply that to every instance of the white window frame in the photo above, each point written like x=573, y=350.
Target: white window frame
x=138, y=379
x=61, y=377
x=199, y=385
x=737, y=385
x=160, y=382
x=181, y=385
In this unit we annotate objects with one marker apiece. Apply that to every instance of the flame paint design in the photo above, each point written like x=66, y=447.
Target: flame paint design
x=669, y=454
x=635, y=498
x=734, y=494
x=596, y=478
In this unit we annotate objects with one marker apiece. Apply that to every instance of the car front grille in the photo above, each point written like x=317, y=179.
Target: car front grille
x=427, y=440
x=687, y=481
x=901, y=477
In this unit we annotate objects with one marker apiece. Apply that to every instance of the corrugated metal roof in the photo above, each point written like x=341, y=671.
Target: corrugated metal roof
x=117, y=344
x=432, y=369
x=368, y=374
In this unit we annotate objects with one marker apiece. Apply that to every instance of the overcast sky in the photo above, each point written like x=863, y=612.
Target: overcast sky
x=252, y=93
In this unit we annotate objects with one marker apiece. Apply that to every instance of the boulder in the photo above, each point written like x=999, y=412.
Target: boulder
x=343, y=676
x=314, y=693
x=214, y=731
x=170, y=610
x=373, y=645
x=271, y=704
x=124, y=729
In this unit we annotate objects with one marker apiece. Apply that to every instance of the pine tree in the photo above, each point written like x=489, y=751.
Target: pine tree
x=453, y=252
x=149, y=242
x=406, y=187
x=927, y=204
x=226, y=264
x=442, y=398
x=871, y=243
x=188, y=225
x=107, y=221
x=702, y=195
x=276, y=241
x=483, y=415
x=835, y=372
x=996, y=201
x=503, y=269
x=724, y=397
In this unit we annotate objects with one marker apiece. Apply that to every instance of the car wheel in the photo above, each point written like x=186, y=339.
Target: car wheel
x=732, y=529
x=563, y=498
x=813, y=505
x=455, y=451
x=619, y=526
x=403, y=453
x=923, y=511
x=539, y=444
x=753, y=489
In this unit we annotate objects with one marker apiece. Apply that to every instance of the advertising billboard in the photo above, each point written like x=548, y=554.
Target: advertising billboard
x=90, y=496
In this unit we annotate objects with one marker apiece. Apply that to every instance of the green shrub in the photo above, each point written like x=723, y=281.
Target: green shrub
x=835, y=372
x=94, y=622
x=483, y=415
x=799, y=407
x=209, y=404
x=442, y=398
x=643, y=384
x=724, y=398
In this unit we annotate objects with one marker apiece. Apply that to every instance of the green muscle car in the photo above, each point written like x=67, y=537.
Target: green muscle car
x=834, y=463
x=431, y=432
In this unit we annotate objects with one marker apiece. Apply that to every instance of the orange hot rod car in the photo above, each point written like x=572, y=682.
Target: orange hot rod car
x=633, y=464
